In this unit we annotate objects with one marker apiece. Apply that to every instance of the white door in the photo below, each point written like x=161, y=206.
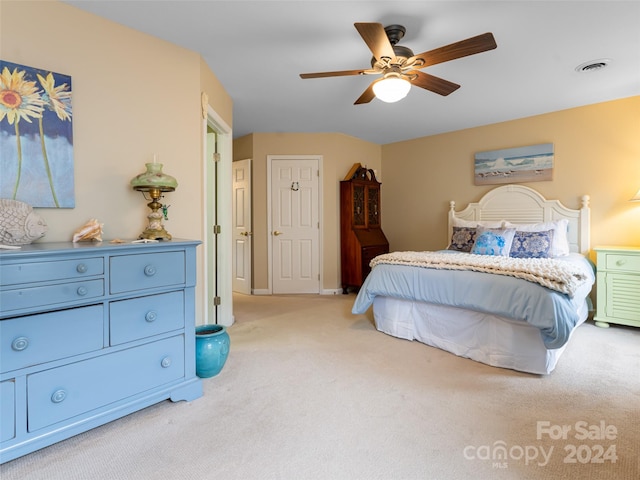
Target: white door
x=242, y=234
x=211, y=212
x=217, y=301
x=295, y=225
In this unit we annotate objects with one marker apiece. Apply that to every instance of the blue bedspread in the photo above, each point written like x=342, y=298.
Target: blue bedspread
x=554, y=313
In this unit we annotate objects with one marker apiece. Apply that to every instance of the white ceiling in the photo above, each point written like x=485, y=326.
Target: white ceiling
x=257, y=49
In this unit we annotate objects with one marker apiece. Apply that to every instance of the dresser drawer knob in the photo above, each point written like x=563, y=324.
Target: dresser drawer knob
x=20, y=344
x=82, y=268
x=166, y=362
x=621, y=262
x=82, y=291
x=58, y=396
x=151, y=316
x=149, y=270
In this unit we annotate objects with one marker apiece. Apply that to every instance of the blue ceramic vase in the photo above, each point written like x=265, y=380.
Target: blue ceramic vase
x=212, y=349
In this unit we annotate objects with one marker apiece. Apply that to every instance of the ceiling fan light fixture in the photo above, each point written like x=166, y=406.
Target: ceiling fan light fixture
x=391, y=89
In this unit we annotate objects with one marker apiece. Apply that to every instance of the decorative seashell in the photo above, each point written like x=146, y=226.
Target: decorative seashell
x=19, y=224
x=92, y=230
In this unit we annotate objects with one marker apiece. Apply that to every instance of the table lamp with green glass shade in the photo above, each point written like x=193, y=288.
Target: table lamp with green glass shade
x=153, y=183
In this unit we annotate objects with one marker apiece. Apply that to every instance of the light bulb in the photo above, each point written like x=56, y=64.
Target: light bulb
x=391, y=89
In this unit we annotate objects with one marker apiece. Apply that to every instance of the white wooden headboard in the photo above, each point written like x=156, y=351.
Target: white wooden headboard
x=520, y=204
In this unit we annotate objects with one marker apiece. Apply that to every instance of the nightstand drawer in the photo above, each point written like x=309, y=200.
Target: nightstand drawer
x=146, y=316
x=36, y=339
x=151, y=270
x=65, y=392
x=46, y=295
x=622, y=262
x=15, y=274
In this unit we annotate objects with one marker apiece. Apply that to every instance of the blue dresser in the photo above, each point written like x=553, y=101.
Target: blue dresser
x=90, y=332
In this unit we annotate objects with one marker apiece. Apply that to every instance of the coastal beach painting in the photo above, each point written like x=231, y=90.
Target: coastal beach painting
x=36, y=136
x=514, y=165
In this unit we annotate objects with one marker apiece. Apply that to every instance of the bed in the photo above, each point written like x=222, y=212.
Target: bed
x=481, y=304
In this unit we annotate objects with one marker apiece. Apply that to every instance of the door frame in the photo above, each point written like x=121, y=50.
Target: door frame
x=220, y=280
x=270, y=159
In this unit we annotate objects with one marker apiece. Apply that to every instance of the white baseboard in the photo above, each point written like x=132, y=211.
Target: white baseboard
x=335, y=291
x=330, y=291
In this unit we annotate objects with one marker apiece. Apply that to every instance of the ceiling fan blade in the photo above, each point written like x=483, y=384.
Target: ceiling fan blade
x=340, y=73
x=463, y=48
x=376, y=39
x=432, y=83
x=367, y=95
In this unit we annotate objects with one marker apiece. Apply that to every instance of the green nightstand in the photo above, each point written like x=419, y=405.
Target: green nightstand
x=618, y=284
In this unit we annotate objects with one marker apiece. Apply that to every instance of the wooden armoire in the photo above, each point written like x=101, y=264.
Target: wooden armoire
x=361, y=236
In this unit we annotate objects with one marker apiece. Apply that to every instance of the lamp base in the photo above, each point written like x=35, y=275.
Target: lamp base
x=155, y=230
x=154, y=234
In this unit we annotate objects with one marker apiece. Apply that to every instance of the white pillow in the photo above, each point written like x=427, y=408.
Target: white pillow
x=459, y=222
x=560, y=242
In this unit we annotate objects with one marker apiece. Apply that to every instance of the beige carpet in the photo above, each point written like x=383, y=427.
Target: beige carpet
x=312, y=392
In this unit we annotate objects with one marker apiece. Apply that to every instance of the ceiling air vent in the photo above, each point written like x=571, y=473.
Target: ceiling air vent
x=593, y=65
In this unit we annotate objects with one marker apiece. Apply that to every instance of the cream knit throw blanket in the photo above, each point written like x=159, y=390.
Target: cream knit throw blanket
x=557, y=275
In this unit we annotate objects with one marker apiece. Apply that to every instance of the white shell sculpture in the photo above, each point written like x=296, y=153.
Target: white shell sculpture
x=19, y=224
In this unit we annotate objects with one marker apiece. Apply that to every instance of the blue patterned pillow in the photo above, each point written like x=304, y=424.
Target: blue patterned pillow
x=532, y=244
x=462, y=239
x=493, y=241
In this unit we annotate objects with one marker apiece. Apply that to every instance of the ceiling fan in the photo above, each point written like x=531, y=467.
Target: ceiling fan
x=400, y=68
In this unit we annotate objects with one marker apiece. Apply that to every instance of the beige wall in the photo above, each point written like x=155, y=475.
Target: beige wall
x=217, y=96
x=133, y=95
x=597, y=153
x=339, y=153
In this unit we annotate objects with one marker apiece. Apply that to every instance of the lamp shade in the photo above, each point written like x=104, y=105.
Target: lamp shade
x=636, y=197
x=152, y=178
x=391, y=89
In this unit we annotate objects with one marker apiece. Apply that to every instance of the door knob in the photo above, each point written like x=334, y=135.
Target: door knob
x=246, y=234
x=276, y=233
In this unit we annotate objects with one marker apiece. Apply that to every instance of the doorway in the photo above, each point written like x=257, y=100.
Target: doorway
x=218, y=294
x=242, y=227
x=294, y=204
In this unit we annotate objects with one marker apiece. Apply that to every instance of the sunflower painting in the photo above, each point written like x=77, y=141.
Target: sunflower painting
x=36, y=137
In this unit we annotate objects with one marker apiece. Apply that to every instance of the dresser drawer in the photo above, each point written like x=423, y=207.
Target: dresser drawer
x=145, y=316
x=33, y=297
x=65, y=392
x=151, y=270
x=7, y=410
x=622, y=262
x=15, y=274
x=36, y=339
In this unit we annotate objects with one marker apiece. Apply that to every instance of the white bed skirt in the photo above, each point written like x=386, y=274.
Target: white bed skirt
x=490, y=339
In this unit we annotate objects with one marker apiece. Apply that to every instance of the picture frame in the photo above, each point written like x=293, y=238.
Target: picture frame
x=36, y=136
x=532, y=163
